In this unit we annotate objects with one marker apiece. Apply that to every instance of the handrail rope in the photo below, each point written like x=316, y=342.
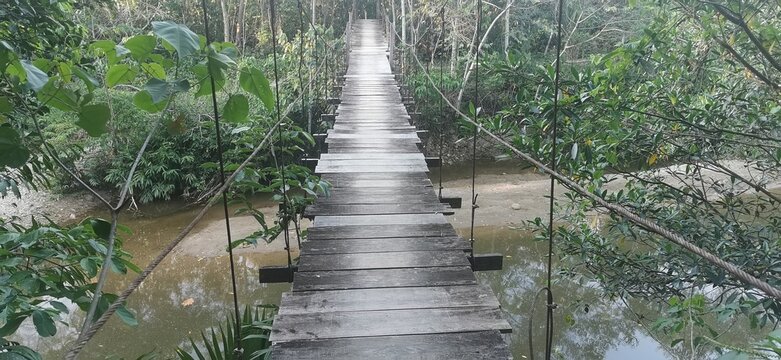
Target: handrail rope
x=122, y=298
x=285, y=201
x=622, y=211
x=550, y=306
x=478, y=27
x=221, y=161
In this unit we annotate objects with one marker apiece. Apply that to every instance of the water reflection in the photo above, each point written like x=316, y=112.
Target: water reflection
x=183, y=296
x=605, y=331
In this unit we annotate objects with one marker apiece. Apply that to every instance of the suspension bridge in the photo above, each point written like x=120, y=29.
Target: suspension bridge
x=382, y=274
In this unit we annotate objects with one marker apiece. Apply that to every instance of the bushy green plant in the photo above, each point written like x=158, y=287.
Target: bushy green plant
x=220, y=343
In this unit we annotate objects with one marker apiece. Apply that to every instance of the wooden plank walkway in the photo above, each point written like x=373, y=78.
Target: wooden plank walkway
x=383, y=275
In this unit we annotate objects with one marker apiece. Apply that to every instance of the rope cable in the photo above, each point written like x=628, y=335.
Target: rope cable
x=218, y=132
x=620, y=210
x=144, y=274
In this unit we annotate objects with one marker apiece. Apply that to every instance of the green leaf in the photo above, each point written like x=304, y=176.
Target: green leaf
x=178, y=36
x=161, y=90
x=204, y=82
x=236, y=109
x=141, y=46
x=93, y=119
x=12, y=152
x=88, y=79
x=254, y=82
x=11, y=325
x=59, y=306
x=36, y=79
x=120, y=74
x=58, y=96
x=43, y=323
x=154, y=70
x=5, y=105
x=127, y=317
x=143, y=101
x=89, y=266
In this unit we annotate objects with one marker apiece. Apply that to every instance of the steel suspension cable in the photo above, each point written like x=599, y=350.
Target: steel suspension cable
x=475, y=132
x=442, y=119
x=551, y=202
x=236, y=313
x=285, y=201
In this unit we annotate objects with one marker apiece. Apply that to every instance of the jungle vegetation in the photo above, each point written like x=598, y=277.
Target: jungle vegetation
x=669, y=108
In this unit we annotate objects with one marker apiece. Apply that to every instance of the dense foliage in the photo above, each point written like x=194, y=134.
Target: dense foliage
x=670, y=109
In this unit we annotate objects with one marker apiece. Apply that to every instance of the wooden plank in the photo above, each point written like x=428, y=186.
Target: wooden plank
x=383, y=278
x=395, y=219
x=307, y=302
x=486, y=345
x=419, y=195
x=323, y=169
x=337, y=325
x=379, y=231
x=378, y=245
x=374, y=156
x=386, y=260
x=375, y=209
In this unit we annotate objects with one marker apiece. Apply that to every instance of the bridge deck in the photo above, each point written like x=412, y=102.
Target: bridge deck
x=383, y=275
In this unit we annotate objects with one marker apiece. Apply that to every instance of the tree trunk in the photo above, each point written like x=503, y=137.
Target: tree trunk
x=453, y=49
x=226, y=32
x=507, y=32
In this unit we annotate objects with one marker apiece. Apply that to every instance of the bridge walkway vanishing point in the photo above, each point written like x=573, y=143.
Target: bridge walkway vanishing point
x=383, y=275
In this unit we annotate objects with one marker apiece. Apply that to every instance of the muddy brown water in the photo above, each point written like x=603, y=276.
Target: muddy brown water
x=189, y=293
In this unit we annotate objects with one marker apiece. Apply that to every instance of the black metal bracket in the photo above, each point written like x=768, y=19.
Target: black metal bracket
x=310, y=163
x=423, y=134
x=334, y=101
x=277, y=274
x=454, y=202
x=433, y=161
x=486, y=262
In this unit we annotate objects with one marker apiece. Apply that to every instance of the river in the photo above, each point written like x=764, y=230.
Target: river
x=190, y=291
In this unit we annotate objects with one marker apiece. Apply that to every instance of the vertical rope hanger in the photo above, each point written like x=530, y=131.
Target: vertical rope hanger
x=441, y=104
x=554, y=138
x=474, y=137
x=285, y=201
x=237, y=350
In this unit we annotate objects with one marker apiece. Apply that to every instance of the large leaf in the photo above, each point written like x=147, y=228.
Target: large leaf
x=12, y=152
x=143, y=101
x=36, y=79
x=120, y=74
x=178, y=36
x=44, y=324
x=141, y=46
x=236, y=110
x=161, y=90
x=93, y=119
x=254, y=82
x=57, y=95
x=154, y=70
x=204, y=81
x=88, y=79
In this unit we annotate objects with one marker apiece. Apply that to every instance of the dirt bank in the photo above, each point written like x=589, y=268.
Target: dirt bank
x=61, y=208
